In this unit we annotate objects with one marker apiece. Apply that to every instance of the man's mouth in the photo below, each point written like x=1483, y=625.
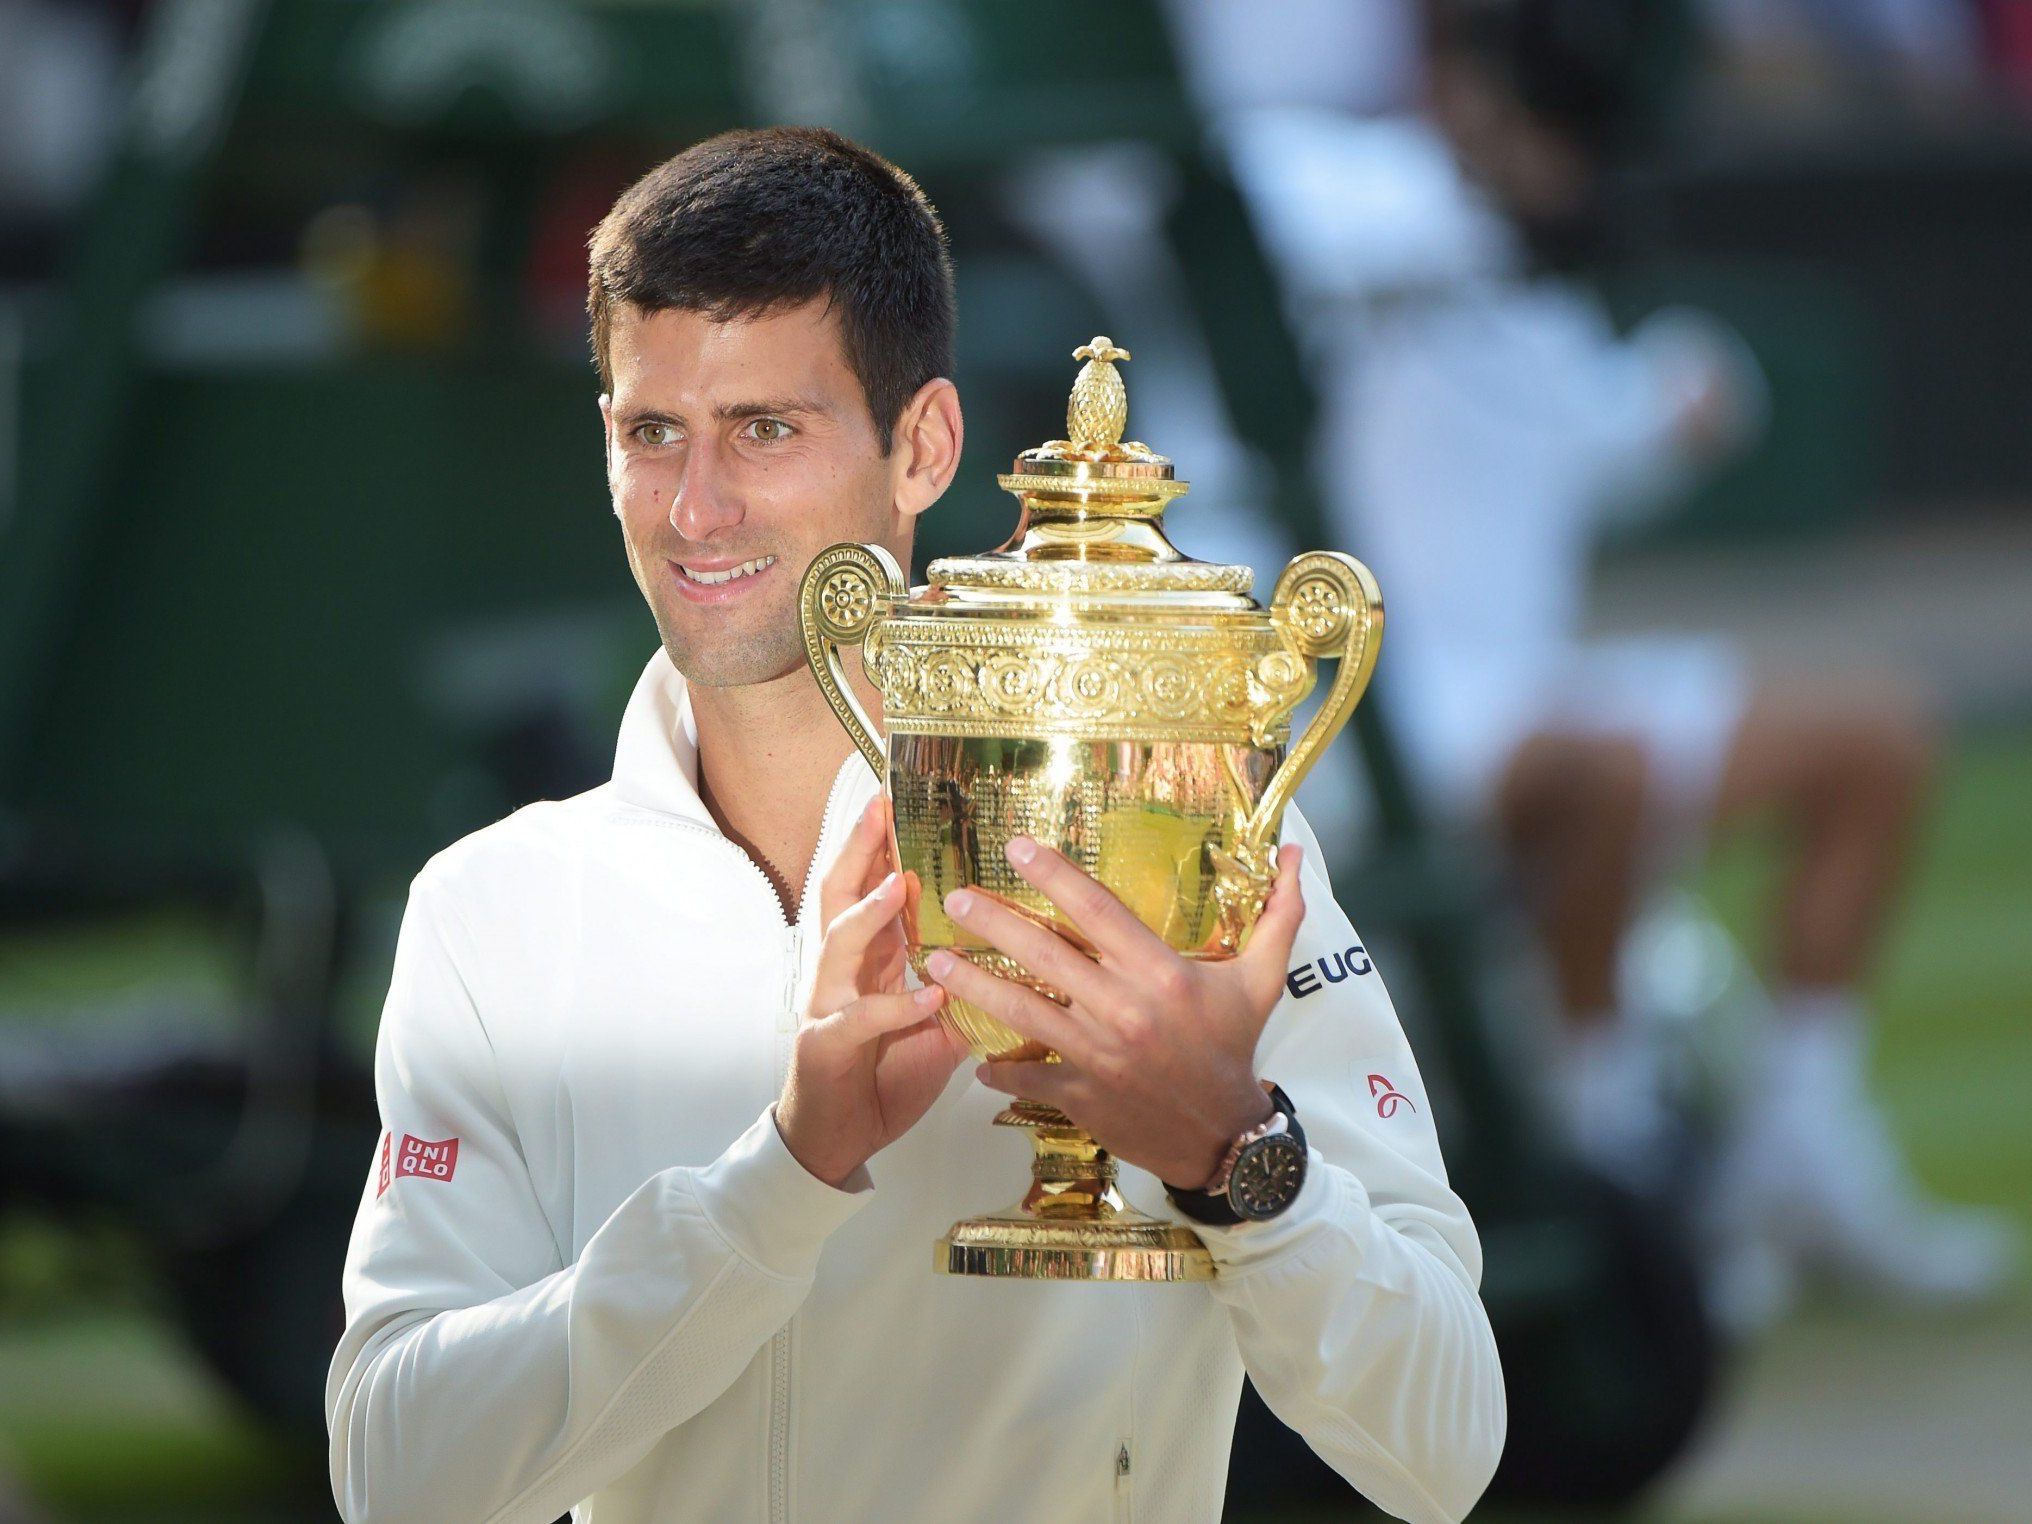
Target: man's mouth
x=715, y=576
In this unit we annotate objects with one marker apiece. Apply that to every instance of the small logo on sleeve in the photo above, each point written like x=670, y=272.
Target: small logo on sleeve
x=1333, y=968
x=417, y=1156
x=1387, y=1097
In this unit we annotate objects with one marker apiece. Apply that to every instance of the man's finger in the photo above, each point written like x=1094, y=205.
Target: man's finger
x=1266, y=949
x=856, y=927
x=1045, y=953
x=1112, y=927
x=847, y=939
x=1047, y=1083
x=895, y=966
x=847, y=880
x=872, y=1016
x=1016, y=1005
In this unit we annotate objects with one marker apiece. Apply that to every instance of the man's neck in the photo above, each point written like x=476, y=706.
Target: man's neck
x=768, y=755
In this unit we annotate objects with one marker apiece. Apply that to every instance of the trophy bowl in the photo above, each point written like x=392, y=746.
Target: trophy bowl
x=1091, y=687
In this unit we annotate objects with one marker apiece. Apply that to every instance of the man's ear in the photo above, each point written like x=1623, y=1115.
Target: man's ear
x=924, y=449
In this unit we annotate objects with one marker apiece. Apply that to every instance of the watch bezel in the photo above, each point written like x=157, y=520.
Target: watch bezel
x=1251, y=1175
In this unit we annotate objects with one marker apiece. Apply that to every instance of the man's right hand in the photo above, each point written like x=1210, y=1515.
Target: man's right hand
x=870, y=1056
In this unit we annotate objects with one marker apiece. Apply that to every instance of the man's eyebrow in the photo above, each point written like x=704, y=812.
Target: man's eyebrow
x=728, y=412
x=640, y=416
x=777, y=407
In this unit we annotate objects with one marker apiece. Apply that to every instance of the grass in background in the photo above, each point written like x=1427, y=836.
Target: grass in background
x=1952, y=1057
x=1857, y=1410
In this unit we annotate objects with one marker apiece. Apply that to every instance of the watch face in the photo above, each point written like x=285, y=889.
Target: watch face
x=1266, y=1178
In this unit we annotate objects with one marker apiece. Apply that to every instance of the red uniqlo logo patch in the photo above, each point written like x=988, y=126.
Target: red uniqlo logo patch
x=417, y=1156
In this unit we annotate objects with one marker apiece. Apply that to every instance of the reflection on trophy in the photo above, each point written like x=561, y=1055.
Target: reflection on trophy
x=1089, y=686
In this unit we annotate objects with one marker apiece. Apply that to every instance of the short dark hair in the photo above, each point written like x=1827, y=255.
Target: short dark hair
x=751, y=221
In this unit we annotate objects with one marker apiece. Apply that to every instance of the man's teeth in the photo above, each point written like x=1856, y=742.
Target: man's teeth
x=745, y=569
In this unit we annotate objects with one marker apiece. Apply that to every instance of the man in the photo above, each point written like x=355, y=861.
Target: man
x=648, y=1232
x=1485, y=419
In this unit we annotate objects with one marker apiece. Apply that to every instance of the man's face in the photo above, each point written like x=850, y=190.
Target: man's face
x=739, y=446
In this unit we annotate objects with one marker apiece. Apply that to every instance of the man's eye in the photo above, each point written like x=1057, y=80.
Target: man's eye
x=769, y=430
x=656, y=433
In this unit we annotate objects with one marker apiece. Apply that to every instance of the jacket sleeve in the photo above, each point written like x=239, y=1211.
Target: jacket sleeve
x=484, y=1374
x=1357, y=1311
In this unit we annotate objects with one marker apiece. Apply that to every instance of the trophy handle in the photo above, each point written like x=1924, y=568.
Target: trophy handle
x=846, y=590
x=1326, y=604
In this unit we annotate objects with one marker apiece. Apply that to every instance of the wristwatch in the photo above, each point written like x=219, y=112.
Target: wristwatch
x=1259, y=1177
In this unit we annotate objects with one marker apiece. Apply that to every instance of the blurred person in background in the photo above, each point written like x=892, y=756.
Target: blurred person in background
x=1483, y=420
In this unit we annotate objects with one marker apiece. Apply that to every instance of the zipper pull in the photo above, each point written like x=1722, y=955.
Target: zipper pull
x=1122, y=1461
x=787, y=1017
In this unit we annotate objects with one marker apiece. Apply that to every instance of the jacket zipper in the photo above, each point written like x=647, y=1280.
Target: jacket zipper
x=779, y=1426
x=680, y=823
x=825, y=826
x=786, y=1021
x=1123, y=1513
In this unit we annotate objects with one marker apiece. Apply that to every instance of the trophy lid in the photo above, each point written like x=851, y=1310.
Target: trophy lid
x=1093, y=510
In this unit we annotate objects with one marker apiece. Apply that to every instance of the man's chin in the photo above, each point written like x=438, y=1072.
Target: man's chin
x=736, y=647
x=736, y=668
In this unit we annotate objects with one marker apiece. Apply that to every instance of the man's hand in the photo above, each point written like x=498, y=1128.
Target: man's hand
x=870, y=1056
x=1158, y=1050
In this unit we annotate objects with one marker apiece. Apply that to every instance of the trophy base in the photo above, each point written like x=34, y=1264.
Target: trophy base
x=1073, y=1224
x=1131, y=1247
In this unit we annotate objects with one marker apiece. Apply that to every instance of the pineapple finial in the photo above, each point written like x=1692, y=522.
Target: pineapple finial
x=1099, y=409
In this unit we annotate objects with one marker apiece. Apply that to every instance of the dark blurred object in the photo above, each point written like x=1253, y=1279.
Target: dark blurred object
x=1546, y=101
x=1607, y=74
x=237, y=1166
x=1604, y=1390
x=240, y=1165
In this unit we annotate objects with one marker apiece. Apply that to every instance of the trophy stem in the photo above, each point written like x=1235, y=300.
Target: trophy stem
x=1072, y=1178
x=1072, y=1223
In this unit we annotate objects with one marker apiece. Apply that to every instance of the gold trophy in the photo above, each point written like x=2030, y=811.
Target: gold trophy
x=1091, y=687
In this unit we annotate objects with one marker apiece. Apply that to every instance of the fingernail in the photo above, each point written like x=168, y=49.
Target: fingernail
x=1020, y=850
x=981, y=1073
x=887, y=884
x=929, y=996
x=940, y=963
x=958, y=903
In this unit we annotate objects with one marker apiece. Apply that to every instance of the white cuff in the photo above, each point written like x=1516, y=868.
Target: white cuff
x=769, y=1208
x=1247, y=1246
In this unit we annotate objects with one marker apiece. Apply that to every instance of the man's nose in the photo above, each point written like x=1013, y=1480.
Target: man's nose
x=706, y=500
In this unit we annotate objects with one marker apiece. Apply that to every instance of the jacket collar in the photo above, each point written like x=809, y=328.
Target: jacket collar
x=656, y=758
x=656, y=763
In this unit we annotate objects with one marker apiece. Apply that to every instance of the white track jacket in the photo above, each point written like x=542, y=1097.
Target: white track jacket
x=587, y=1275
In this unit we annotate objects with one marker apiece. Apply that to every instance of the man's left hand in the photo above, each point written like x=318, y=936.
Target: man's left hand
x=1157, y=1051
